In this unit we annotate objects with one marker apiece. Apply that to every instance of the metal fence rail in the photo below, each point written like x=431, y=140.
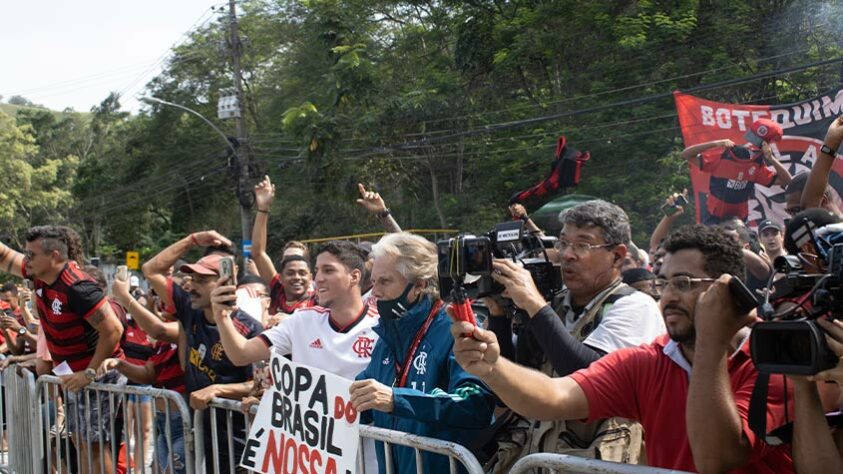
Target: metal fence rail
x=572, y=464
x=59, y=453
x=230, y=411
x=19, y=420
x=456, y=452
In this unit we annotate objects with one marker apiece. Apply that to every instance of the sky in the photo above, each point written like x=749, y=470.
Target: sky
x=62, y=53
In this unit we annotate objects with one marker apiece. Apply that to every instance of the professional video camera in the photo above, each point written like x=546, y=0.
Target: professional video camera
x=466, y=260
x=790, y=341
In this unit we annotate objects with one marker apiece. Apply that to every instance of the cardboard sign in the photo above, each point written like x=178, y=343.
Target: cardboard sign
x=305, y=423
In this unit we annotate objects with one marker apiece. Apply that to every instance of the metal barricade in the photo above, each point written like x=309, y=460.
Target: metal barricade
x=455, y=452
x=565, y=463
x=62, y=451
x=18, y=420
x=231, y=411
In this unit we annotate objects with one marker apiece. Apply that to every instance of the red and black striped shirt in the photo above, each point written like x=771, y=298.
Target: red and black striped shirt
x=64, y=307
x=278, y=300
x=165, y=362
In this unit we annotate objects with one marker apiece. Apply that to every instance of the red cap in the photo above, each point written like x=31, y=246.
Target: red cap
x=207, y=265
x=764, y=130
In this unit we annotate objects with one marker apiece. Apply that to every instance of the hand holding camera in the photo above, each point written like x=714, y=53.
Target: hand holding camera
x=834, y=339
x=120, y=286
x=722, y=310
x=223, y=298
x=519, y=285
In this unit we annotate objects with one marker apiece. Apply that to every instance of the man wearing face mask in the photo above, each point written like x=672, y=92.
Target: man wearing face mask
x=413, y=383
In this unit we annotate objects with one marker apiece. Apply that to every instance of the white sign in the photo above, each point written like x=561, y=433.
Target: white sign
x=305, y=423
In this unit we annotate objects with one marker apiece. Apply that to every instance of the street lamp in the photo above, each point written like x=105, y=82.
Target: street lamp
x=245, y=219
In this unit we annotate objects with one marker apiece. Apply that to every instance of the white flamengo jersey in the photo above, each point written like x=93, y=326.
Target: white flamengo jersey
x=315, y=340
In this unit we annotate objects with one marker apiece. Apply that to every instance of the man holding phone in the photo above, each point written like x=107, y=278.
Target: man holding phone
x=209, y=372
x=736, y=171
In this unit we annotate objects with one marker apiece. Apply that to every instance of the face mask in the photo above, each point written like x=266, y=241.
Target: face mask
x=397, y=308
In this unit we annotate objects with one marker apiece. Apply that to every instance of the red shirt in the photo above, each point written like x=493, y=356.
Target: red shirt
x=643, y=384
x=64, y=307
x=278, y=302
x=732, y=182
x=165, y=362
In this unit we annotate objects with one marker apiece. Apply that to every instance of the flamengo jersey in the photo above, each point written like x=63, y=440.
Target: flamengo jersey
x=64, y=307
x=313, y=339
x=732, y=182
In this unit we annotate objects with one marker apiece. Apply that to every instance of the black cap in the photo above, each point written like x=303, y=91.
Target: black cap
x=768, y=224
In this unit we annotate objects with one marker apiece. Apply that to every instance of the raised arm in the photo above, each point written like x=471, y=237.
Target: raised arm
x=694, y=150
x=783, y=176
x=818, y=179
x=666, y=223
x=373, y=202
x=151, y=324
x=240, y=351
x=715, y=427
x=528, y=392
x=264, y=195
x=11, y=261
x=157, y=268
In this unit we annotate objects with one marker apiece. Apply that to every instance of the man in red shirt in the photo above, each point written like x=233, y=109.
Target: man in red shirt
x=80, y=327
x=694, y=419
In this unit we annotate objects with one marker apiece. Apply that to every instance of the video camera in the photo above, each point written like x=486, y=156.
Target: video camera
x=791, y=341
x=466, y=260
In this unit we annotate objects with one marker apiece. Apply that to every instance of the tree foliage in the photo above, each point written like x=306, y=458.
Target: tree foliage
x=434, y=103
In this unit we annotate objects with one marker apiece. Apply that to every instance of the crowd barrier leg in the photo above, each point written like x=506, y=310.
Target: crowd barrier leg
x=93, y=437
x=565, y=463
x=233, y=431
x=16, y=420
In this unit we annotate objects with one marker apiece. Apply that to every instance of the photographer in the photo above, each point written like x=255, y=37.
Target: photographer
x=594, y=315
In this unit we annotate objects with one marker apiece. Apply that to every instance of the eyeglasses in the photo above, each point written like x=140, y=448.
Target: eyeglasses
x=680, y=283
x=578, y=248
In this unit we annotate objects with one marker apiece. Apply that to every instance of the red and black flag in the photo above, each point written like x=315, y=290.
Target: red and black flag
x=564, y=173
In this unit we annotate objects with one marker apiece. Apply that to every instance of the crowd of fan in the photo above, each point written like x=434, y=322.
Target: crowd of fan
x=641, y=357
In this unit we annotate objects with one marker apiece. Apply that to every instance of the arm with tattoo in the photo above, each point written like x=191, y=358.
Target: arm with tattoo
x=109, y=328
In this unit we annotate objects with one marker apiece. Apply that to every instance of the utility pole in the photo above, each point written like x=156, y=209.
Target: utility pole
x=244, y=155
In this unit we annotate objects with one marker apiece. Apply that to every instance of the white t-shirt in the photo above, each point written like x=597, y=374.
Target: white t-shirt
x=314, y=340
x=631, y=321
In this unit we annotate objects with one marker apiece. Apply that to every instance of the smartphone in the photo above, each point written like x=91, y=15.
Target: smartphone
x=122, y=273
x=27, y=283
x=742, y=296
x=669, y=210
x=227, y=270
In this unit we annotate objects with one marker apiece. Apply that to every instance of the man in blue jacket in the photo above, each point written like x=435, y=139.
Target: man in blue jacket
x=413, y=383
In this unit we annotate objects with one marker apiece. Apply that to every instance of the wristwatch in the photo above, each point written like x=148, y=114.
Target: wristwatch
x=21, y=331
x=384, y=213
x=827, y=150
x=90, y=374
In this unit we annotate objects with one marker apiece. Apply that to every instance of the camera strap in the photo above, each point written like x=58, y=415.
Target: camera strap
x=758, y=410
x=402, y=371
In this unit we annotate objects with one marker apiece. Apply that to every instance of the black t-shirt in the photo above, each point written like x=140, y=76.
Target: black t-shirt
x=207, y=363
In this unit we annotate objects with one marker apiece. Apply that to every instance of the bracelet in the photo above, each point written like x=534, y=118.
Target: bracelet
x=525, y=218
x=193, y=239
x=265, y=211
x=384, y=213
x=828, y=150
